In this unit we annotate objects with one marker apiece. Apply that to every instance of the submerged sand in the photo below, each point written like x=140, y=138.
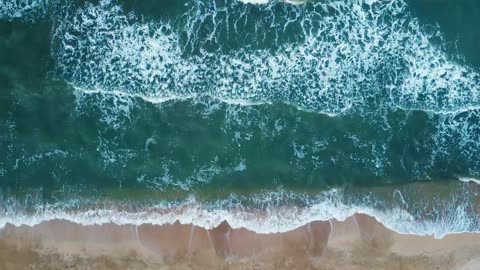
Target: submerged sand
x=359, y=242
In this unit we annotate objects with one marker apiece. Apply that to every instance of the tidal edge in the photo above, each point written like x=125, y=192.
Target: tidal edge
x=359, y=242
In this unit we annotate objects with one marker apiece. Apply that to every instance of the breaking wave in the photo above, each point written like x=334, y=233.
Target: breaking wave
x=347, y=57
x=339, y=58
x=269, y=212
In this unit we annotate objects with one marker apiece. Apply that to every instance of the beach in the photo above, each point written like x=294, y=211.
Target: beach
x=239, y=134
x=359, y=242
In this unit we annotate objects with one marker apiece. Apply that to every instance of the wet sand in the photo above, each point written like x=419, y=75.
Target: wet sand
x=359, y=242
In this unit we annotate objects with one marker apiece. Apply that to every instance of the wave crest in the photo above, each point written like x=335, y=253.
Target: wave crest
x=349, y=57
x=404, y=210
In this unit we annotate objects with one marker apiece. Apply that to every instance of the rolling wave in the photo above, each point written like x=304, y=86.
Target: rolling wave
x=354, y=57
x=338, y=58
x=269, y=212
x=341, y=58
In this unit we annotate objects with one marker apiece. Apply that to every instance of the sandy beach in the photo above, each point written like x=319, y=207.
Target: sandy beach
x=359, y=242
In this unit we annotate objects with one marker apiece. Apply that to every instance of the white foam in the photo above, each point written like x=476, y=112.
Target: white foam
x=258, y=2
x=469, y=179
x=15, y=9
x=118, y=93
x=338, y=65
x=271, y=217
x=263, y=2
x=333, y=71
x=351, y=62
x=27, y=160
x=296, y=2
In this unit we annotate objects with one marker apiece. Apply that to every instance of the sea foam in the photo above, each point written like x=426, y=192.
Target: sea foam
x=268, y=212
x=358, y=57
x=347, y=58
x=349, y=55
x=24, y=9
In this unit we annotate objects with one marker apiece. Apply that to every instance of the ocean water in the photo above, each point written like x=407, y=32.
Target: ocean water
x=267, y=114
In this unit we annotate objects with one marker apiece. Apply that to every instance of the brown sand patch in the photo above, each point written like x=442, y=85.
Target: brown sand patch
x=359, y=242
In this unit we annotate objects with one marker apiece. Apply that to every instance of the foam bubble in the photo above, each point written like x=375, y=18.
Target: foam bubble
x=345, y=60
x=27, y=160
x=255, y=1
x=23, y=9
x=267, y=212
x=469, y=179
x=355, y=57
x=263, y=2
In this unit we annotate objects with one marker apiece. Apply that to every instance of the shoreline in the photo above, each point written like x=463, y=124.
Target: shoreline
x=359, y=242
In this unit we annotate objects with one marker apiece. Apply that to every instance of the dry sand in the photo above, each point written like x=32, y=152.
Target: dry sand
x=359, y=242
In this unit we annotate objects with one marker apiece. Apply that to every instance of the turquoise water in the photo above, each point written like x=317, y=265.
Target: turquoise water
x=324, y=108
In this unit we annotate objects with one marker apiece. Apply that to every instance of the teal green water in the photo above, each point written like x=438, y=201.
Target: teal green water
x=159, y=101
